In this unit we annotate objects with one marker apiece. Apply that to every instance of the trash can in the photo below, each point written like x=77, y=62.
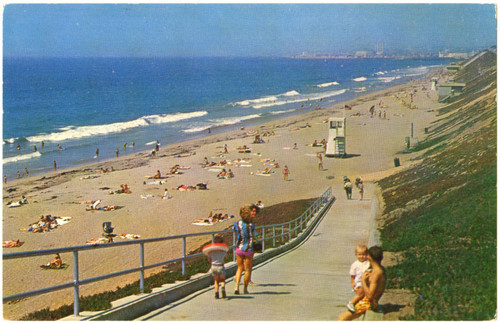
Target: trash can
x=396, y=162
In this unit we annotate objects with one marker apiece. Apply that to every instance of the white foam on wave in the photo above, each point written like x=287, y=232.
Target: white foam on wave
x=380, y=73
x=359, y=79
x=221, y=122
x=9, y=141
x=28, y=156
x=265, y=101
x=256, y=101
x=275, y=103
x=328, y=84
x=282, y=112
x=388, y=79
x=290, y=93
x=303, y=98
x=72, y=132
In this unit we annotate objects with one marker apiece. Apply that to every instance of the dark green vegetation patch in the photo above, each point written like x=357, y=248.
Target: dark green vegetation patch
x=441, y=215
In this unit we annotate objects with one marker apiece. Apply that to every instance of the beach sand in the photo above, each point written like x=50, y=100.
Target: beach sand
x=371, y=144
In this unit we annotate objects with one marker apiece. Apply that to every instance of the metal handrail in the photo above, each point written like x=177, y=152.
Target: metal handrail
x=305, y=217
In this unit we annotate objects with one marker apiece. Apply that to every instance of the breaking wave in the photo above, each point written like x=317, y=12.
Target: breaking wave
x=78, y=132
x=36, y=154
x=328, y=84
x=221, y=122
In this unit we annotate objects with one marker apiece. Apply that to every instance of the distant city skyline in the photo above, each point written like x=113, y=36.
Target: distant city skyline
x=193, y=30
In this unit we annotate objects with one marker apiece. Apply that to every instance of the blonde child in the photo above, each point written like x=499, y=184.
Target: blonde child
x=356, y=272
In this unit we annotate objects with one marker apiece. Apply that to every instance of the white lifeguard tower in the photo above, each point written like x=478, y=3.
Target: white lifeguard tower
x=335, y=146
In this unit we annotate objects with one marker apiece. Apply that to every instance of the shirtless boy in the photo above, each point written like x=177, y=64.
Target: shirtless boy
x=373, y=283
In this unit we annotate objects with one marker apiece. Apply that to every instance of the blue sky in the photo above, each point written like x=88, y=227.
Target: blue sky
x=243, y=29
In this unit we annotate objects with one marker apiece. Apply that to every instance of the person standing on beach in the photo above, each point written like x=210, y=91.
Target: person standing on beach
x=4, y=179
x=320, y=162
x=27, y=172
x=97, y=153
x=18, y=174
x=55, y=165
x=285, y=173
x=124, y=145
x=245, y=235
x=133, y=144
x=117, y=152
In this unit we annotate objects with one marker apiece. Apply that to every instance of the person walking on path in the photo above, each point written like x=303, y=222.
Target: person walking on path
x=348, y=187
x=373, y=283
x=215, y=253
x=285, y=173
x=359, y=185
x=245, y=236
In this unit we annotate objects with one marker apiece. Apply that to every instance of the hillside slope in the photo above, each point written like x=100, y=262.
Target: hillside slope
x=440, y=215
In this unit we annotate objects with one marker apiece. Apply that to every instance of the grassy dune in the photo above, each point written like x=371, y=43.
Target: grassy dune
x=440, y=216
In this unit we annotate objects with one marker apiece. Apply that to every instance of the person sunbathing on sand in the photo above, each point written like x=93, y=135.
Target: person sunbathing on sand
x=222, y=174
x=230, y=173
x=315, y=143
x=12, y=243
x=95, y=241
x=211, y=164
x=55, y=263
x=157, y=175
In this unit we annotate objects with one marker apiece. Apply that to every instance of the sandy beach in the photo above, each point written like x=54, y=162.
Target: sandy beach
x=371, y=144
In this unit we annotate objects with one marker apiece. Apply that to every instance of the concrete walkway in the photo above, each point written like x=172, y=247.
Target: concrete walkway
x=309, y=282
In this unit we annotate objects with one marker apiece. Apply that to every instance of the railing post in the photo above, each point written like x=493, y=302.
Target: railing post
x=263, y=239
x=282, y=228
x=141, y=260
x=289, y=231
x=184, y=255
x=274, y=236
x=76, y=290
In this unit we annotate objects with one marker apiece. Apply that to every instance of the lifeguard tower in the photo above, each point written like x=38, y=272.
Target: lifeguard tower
x=335, y=147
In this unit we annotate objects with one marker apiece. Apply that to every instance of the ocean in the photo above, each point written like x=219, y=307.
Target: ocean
x=84, y=104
